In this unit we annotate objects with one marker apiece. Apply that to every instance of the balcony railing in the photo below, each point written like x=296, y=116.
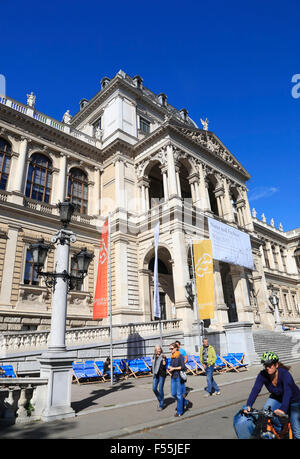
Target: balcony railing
x=45, y=119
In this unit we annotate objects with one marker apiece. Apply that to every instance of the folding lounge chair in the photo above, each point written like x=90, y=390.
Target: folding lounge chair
x=238, y=359
x=191, y=366
x=230, y=362
x=91, y=372
x=199, y=367
x=78, y=372
x=220, y=365
x=148, y=362
x=144, y=370
x=132, y=368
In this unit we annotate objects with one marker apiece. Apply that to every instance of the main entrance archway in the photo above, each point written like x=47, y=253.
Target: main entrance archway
x=165, y=281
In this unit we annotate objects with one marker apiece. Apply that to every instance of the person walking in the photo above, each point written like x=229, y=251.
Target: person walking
x=284, y=396
x=184, y=354
x=177, y=385
x=208, y=359
x=159, y=365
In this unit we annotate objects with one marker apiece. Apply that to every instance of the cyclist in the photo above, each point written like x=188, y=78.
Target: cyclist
x=284, y=398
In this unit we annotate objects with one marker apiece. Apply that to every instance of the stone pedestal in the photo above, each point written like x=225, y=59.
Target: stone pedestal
x=57, y=368
x=240, y=339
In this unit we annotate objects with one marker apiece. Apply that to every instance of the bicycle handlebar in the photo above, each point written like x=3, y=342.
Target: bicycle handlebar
x=266, y=412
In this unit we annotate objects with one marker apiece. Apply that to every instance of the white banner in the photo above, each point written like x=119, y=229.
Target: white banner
x=156, y=308
x=230, y=245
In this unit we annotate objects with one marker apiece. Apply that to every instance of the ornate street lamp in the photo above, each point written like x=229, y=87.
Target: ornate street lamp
x=66, y=210
x=56, y=363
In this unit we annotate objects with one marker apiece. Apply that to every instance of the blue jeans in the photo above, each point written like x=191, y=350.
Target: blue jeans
x=211, y=383
x=177, y=390
x=159, y=381
x=294, y=414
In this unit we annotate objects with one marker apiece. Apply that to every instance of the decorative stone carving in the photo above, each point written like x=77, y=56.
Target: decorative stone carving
x=67, y=117
x=31, y=99
x=204, y=124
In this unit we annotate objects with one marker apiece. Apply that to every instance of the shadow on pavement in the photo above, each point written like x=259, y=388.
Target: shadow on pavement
x=96, y=394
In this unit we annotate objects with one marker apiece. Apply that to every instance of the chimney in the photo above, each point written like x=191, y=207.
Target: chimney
x=184, y=114
x=104, y=82
x=162, y=99
x=138, y=81
x=83, y=103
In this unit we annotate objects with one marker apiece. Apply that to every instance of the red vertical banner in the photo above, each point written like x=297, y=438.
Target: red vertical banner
x=100, y=310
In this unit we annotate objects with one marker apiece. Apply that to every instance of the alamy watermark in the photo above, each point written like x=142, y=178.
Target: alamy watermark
x=296, y=88
x=2, y=85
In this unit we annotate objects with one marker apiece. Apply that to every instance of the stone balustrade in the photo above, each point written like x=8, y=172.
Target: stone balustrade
x=31, y=341
x=45, y=119
x=22, y=400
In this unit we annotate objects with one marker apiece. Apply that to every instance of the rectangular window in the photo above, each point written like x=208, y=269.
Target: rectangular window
x=97, y=126
x=30, y=275
x=144, y=126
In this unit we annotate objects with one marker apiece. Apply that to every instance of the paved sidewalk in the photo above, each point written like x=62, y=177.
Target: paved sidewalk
x=105, y=412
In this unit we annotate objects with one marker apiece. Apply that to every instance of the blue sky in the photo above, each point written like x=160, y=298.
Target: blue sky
x=230, y=61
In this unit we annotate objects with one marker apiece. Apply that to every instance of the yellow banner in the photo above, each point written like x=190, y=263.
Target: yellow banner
x=204, y=277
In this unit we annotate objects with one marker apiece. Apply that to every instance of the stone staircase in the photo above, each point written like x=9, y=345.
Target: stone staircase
x=286, y=346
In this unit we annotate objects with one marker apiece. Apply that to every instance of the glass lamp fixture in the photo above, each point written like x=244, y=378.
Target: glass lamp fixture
x=66, y=210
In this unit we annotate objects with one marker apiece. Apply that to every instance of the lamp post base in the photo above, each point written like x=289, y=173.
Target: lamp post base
x=57, y=368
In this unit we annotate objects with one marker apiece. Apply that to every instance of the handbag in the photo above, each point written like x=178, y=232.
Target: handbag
x=183, y=375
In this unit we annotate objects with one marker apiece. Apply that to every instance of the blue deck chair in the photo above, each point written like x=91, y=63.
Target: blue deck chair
x=230, y=362
x=220, y=365
x=144, y=369
x=9, y=371
x=119, y=368
x=200, y=367
x=92, y=373
x=191, y=366
x=78, y=372
x=148, y=362
x=132, y=368
x=100, y=368
x=235, y=361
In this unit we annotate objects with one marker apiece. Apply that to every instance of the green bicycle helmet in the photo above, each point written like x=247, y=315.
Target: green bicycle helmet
x=269, y=357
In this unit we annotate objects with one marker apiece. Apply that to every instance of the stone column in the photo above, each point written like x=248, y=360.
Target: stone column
x=279, y=259
x=9, y=264
x=204, y=199
x=97, y=196
x=247, y=212
x=62, y=191
x=144, y=282
x=241, y=294
x=120, y=183
x=219, y=192
x=228, y=210
x=121, y=305
x=178, y=180
x=172, y=186
x=165, y=182
x=221, y=309
x=19, y=181
x=180, y=279
x=270, y=255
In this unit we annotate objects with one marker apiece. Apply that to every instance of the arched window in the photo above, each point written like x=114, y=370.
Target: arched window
x=5, y=156
x=78, y=190
x=212, y=198
x=156, y=187
x=185, y=186
x=39, y=178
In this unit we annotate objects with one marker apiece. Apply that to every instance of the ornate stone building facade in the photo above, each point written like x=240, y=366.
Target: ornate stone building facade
x=129, y=153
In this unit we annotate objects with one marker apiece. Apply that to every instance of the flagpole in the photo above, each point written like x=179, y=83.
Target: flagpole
x=195, y=290
x=110, y=304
